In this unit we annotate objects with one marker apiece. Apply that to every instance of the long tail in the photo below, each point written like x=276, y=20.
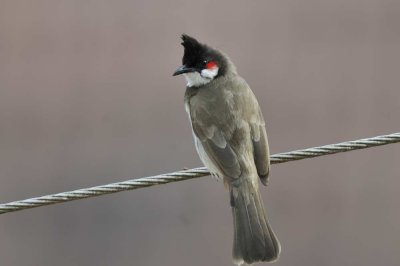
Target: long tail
x=254, y=240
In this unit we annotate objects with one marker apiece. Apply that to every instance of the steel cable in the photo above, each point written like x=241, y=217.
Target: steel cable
x=191, y=173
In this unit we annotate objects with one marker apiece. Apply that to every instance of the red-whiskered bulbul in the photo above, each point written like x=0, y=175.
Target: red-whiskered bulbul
x=230, y=138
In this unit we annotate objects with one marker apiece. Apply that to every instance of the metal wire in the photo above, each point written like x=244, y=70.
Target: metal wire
x=191, y=173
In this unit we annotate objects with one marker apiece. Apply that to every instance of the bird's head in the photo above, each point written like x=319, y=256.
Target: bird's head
x=201, y=64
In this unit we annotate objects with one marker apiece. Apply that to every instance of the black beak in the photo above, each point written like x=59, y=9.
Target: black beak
x=184, y=69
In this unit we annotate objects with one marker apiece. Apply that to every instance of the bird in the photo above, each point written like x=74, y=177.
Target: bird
x=230, y=138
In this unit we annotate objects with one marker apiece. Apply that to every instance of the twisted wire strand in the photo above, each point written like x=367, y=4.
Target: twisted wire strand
x=191, y=173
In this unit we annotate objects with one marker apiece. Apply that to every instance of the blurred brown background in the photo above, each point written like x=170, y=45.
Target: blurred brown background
x=87, y=98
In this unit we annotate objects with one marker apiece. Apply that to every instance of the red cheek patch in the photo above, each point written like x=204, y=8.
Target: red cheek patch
x=211, y=64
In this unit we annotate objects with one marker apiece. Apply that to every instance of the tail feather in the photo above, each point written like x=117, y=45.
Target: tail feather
x=254, y=240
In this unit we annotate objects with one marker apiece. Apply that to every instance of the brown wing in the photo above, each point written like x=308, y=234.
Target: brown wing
x=218, y=147
x=261, y=151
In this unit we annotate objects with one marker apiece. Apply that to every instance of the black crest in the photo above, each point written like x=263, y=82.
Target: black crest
x=193, y=50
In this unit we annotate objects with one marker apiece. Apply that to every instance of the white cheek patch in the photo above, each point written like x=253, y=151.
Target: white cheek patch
x=210, y=73
x=196, y=79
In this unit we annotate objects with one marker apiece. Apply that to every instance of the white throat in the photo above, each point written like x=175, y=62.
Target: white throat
x=196, y=79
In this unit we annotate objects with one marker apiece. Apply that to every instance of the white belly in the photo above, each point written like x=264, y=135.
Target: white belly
x=205, y=159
